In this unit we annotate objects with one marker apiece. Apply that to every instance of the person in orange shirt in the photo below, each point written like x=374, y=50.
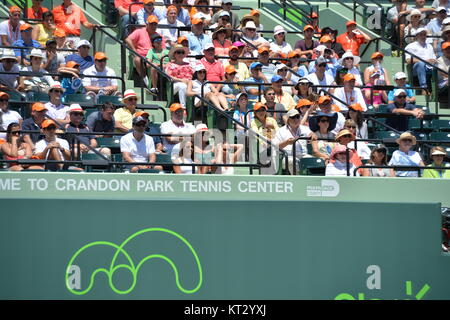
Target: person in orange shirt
x=69, y=17
x=353, y=38
x=36, y=10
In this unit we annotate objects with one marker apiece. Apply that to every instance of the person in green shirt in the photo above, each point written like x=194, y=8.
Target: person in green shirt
x=437, y=154
x=154, y=55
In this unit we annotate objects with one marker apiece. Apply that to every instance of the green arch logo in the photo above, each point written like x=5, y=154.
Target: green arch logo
x=134, y=269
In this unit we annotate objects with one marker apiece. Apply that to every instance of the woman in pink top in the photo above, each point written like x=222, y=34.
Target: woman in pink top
x=221, y=41
x=180, y=71
x=378, y=96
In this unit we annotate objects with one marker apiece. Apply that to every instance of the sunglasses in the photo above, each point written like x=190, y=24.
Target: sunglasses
x=77, y=113
x=15, y=132
x=133, y=99
x=270, y=94
x=4, y=100
x=295, y=117
x=102, y=60
x=322, y=65
x=179, y=52
x=349, y=58
x=9, y=60
x=201, y=71
x=401, y=97
x=350, y=127
x=347, y=136
x=407, y=140
x=141, y=124
x=251, y=29
x=323, y=120
x=56, y=91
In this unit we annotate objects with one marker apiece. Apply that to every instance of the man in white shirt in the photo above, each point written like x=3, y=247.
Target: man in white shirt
x=175, y=126
x=349, y=94
x=56, y=110
x=423, y=50
x=9, y=63
x=171, y=34
x=10, y=29
x=100, y=86
x=136, y=146
x=320, y=77
x=7, y=116
x=326, y=106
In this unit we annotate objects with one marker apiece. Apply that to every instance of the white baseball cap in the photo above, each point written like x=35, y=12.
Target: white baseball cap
x=420, y=30
x=398, y=92
x=84, y=42
x=400, y=75
x=278, y=29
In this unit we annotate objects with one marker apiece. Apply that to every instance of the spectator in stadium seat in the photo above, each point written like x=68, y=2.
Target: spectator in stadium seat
x=140, y=41
x=9, y=63
x=240, y=67
x=56, y=110
x=281, y=96
x=102, y=120
x=285, y=138
x=42, y=32
x=205, y=13
x=231, y=90
x=435, y=25
x=256, y=76
x=240, y=114
x=349, y=93
x=100, y=86
x=424, y=51
x=415, y=19
x=221, y=41
x=350, y=62
x=123, y=116
x=25, y=42
x=62, y=43
x=400, y=81
x=326, y=106
x=171, y=34
x=322, y=124
x=226, y=6
x=307, y=44
x=339, y=164
x=355, y=113
x=353, y=38
x=443, y=63
x=35, y=84
x=335, y=46
x=76, y=114
x=70, y=78
x=437, y=155
x=36, y=11
x=38, y=111
x=155, y=55
x=396, y=20
x=445, y=36
x=175, y=126
x=183, y=14
x=306, y=109
x=52, y=147
x=268, y=69
x=152, y=131
x=262, y=123
x=210, y=92
x=82, y=57
x=304, y=91
x=183, y=153
x=378, y=157
x=214, y=68
x=404, y=156
x=280, y=44
x=197, y=37
x=330, y=57
x=69, y=17
x=7, y=116
x=315, y=23
x=377, y=59
x=295, y=63
x=320, y=77
x=347, y=138
x=402, y=109
x=360, y=146
x=222, y=22
x=249, y=34
x=269, y=100
x=180, y=71
x=10, y=29
x=124, y=7
x=149, y=9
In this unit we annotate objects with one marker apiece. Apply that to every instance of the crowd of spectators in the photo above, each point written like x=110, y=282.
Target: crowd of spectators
x=305, y=94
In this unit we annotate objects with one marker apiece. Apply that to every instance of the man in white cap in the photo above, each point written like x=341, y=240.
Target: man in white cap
x=226, y=6
x=214, y=68
x=400, y=80
x=423, y=50
x=123, y=116
x=280, y=45
x=223, y=20
x=56, y=110
x=82, y=57
x=249, y=34
x=36, y=83
x=402, y=110
x=320, y=77
x=286, y=136
x=9, y=64
x=76, y=125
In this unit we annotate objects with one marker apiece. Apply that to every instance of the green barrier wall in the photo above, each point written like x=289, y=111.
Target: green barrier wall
x=167, y=249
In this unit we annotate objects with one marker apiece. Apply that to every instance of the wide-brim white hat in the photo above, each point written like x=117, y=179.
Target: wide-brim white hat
x=347, y=54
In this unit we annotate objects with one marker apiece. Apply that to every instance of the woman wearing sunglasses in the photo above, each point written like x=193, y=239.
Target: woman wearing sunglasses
x=340, y=164
x=378, y=157
x=437, y=155
x=7, y=116
x=322, y=124
x=405, y=156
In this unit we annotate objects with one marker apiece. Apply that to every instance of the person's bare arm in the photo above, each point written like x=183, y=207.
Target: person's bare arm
x=127, y=157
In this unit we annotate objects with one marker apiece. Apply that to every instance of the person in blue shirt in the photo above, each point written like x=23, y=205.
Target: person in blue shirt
x=183, y=14
x=400, y=80
x=82, y=57
x=197, y=38
x=149, y=9
x=25, y=41
x=256, y=76
x=402, y=110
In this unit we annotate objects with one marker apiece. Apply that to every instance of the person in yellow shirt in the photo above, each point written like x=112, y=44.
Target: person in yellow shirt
x=123, y=116
x=241, y=68
x=263, y=124
x=281, y=96
x=437, y=154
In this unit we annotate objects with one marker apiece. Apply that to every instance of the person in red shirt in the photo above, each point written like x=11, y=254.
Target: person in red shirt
x=353, y=38
x=36, y=10
x=123, y=6
x=69, y=17
x=214, y=68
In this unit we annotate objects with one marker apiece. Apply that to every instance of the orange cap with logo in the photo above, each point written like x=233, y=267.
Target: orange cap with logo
x=303, y=103
x=263, y=49
x=152, y=19
x=176, y=106
x=181, y=39
x=172, y=7
x=38, y=106
x=25, y=27
x=4, y=95
x=230, y=69
x=141, y=113
x=349, y=77
x=72, y=64
x=47, y=123
x=259, y=105
x=324, y=99
x=100, y=56
x=14, y=9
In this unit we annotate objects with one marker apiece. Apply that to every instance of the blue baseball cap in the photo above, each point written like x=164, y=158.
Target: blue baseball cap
x=276, y=78
x=255, y=65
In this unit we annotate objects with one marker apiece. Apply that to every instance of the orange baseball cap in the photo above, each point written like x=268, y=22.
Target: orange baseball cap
x=141, y=114
x=259, y=105
x=233, y=48
x=376, y=55
x=100, y=56
x=47, y=123
x=350, y=23
x=326, y=38
x=14, y=9
x=303, y=103
x=181, y=39
x=324, y=99
x=4, y=94
x=172, y=7
x=197, y=21
x=293, y=54
x=230, y=69
x=356, y=107
x=60, y=33
x=349, y=77
x=25, y=27
x=445, y=45
x=176, y=106
x=254, y=12
x=148, y=1
x=308, y=26
x=38, y=107
x=152, y=19
x=263, y=49
x=72, y=64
